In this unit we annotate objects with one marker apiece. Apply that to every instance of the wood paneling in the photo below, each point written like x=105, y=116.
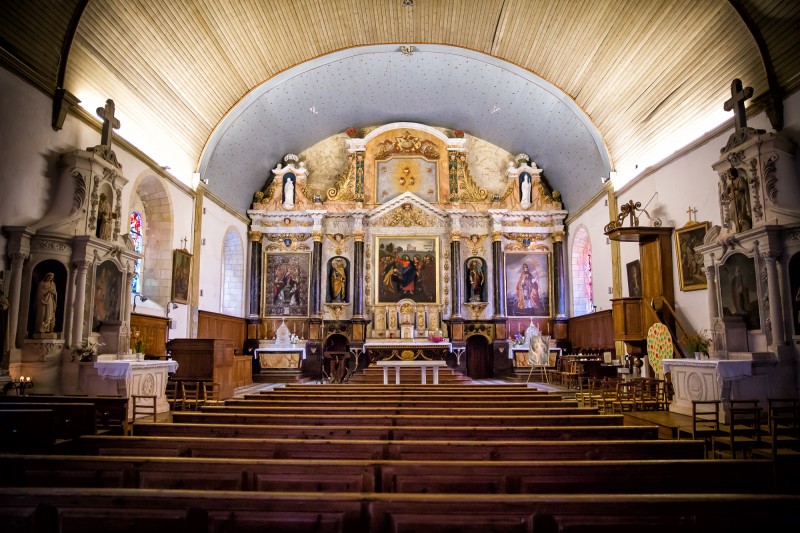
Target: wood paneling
x=592, y=332
x=205, y=359
x=242, y=370
x=153, y=331
x=217, y=326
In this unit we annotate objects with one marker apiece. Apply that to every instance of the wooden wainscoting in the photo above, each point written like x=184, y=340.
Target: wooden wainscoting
x=242, y=370
x=153, y=331
x=218, y=326
x=593, y=332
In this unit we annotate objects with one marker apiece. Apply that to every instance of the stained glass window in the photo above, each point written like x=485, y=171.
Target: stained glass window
x=138, y=245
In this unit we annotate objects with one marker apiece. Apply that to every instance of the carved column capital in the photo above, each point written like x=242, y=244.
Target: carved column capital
x=82, y=266
x=558, y=236
x=254, y=236
x=358, y=236
x=770, y=257
x=18, y=258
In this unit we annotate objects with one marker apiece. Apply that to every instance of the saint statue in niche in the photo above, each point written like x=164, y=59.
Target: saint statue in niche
x=476, y=280
x=738, y=198
x=104, y=218
x=338, y=280
x=46, y=298
x=288, y=193
x=525, y=191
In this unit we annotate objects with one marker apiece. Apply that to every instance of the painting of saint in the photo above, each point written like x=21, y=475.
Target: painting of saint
x=634, y=270
x=107, y=284
x=739, y=289
x=286, y=284
x=407, y=268
x=690, y=263
x=181, y=273
x=528, y=284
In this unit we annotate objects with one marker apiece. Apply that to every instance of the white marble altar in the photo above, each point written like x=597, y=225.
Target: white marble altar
x=706, y=379
x=127, y=378
x=273, y=356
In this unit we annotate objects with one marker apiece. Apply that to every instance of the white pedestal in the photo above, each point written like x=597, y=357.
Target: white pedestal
x=703, y=380
x=127, y=378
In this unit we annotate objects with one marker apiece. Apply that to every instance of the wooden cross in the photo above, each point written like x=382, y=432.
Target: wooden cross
x=110, y=122
x=691, y=212
x=736, y=102
x=183, y=242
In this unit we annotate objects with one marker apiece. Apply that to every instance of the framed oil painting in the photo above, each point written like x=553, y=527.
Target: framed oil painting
x=739, y=289
x=181, y=274
x=690, y=263
x=634, y=269
x=528, y=284
x=407, y=267
x=286, y=284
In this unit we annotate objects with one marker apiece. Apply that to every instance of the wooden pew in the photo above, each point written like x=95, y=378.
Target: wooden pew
x=26, y=430
x=111, y=412
x=453, y=477
x=425, y=450
x=397, y=420
x=40, y=510
x=559, y=433
x=451, y=410
x=69, y=420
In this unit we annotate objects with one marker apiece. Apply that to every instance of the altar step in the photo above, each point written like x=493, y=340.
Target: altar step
x=374, y=375
x=280, y=376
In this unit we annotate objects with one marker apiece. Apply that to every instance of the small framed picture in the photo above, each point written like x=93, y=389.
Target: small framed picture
x=181, y=274
x=690, y=263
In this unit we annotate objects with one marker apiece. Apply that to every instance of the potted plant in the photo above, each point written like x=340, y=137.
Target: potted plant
x=697, y=343
x=85, y=351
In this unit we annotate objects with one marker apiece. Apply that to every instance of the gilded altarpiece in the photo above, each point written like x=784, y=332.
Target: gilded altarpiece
x=400, y=215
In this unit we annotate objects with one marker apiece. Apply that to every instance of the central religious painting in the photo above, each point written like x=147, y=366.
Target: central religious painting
x=406, y=164
x=407, y=268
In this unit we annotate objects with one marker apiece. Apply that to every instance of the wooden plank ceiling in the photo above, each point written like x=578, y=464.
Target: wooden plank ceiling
x=641, y=70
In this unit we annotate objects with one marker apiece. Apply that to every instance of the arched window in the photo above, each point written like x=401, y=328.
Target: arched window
x=138, y=246
x=232, y=274
x=582, y=296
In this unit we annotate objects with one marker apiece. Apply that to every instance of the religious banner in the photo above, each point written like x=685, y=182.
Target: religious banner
x=407, y=267
x=528, y=284
x=286, y=284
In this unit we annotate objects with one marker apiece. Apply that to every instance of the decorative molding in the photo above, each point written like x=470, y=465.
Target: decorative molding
x=338, y=243
x=406, y=215
x=771, y=178
x=475, y=243
x=758, y=211
x=526, y=241
x=51, y=245
x=468, y=189
x=406, y=144
x=344, y=189
x=79, y=196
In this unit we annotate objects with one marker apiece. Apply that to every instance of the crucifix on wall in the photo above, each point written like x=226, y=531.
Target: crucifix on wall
x=736, y=103
x=110, y=122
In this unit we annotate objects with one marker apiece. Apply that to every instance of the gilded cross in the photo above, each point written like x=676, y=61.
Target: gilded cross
x=110, y=122
x=736, y=102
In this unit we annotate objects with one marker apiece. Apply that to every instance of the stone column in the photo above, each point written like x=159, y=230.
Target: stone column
x=775, y=307
x=316, y=275
x=17, y=262
x=455, y=263
x=559, y=283
x=128, y=301
x=499, y=288
x=256, y=259
x=358, y=267
x=713, y=306
x=70, y=316
x=80, y=300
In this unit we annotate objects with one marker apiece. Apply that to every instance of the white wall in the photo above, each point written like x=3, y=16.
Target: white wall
x=216, y=223
x=687, y=181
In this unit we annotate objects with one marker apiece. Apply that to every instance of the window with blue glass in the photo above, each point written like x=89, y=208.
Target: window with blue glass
x=138, y=245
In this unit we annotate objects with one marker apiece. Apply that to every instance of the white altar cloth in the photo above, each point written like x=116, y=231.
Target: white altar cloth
x=419, y=363
x=704, y=379
x=122, y=369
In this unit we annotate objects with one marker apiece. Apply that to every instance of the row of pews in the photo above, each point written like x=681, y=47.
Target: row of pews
x=364, y=458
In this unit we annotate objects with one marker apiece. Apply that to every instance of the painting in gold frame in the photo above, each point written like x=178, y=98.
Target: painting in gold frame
x=690, y=263
x=528, y=284
x=181, y=275
x=286, y=284
x=407, y=267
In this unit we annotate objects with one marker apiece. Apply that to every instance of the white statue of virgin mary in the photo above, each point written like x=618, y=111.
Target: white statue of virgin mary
x=288, y=194
x=525, y=196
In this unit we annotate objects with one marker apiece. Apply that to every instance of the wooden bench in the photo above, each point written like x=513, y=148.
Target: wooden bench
x=26, y=430
x=111, y=412
x=559, y=433
x=452, y=410
x=69, y=420
x=398, y=420
x=453, y=477
x=111, y=510
x=425, y=450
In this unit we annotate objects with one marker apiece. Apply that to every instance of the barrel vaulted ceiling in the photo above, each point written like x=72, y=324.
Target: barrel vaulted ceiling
x=226, y=88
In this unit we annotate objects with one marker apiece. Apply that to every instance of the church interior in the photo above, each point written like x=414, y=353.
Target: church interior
x=236, y=235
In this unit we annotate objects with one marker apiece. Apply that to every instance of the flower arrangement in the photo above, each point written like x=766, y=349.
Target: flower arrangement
x=86, y=351
x=518, y=340
x=351, y=132
x=458, y=133
x=697, y=342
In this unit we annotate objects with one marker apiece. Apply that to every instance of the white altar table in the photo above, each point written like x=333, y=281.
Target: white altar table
x=127, y=378
x=704, y=379
x=273, y=356
x=421, y=364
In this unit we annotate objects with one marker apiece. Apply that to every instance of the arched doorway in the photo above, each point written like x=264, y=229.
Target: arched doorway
x=479, y=358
